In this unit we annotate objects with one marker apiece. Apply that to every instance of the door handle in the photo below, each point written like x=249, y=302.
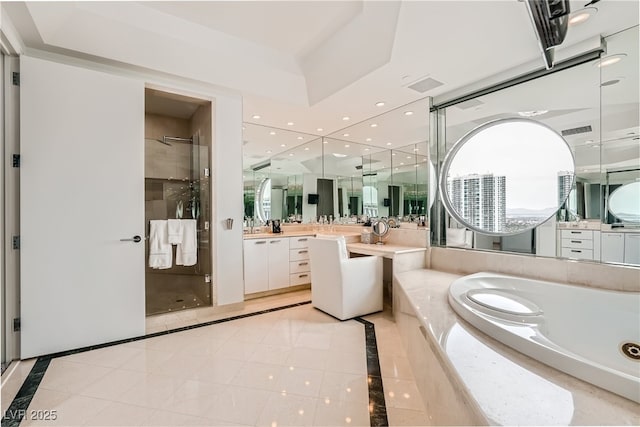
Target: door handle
x=134, y=239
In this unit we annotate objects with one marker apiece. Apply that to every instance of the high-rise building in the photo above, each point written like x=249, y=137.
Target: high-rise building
x=480, y=200
x=565, y=183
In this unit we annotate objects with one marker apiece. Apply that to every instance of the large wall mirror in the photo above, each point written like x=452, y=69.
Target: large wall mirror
x=376, y=168
x=594, y=107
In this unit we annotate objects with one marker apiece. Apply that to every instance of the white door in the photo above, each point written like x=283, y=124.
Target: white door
x=82, y=190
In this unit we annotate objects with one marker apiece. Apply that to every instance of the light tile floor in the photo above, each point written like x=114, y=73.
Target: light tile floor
x=297, y=366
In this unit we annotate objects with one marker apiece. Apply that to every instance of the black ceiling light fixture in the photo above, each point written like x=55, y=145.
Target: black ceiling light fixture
x=550, y=20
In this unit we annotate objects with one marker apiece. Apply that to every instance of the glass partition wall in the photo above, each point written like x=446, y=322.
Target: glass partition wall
x=594, y=108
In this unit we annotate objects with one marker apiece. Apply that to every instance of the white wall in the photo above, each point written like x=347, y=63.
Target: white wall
x=227, y=192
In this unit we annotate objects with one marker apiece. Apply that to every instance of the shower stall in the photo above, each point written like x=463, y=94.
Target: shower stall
x=177, y=186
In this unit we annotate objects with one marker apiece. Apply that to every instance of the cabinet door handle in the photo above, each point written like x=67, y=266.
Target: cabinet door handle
x=274, y=241
x=303, y=240
x=303, y=263
x=573, y=250
x=576, y=232
x=576, y=241
x=261, y=242
x=302, y=252
x=303, y=275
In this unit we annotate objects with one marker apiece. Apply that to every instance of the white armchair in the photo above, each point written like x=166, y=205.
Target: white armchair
x=340, y=286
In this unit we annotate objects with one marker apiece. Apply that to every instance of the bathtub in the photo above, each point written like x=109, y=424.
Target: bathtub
x=589, y=333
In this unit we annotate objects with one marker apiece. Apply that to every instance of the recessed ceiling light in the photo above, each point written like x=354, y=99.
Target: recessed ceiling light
x=325, y=142
x=393, y=154
x=388, y=143
x=401, y=164
x=256, y=116
x=610, y=59
x=532, y=113
x=424, y=160
x=415, y=166
x=289, y=123
x=306, y=148
x=380, y=104
x=596, y=145
x=272, y=133
x=416, y=149
x=244, y=128
x=368, y=139
x=299, y=138
x=319, y=129
x=396, y=168
x=346, y=146
x=374, y=125
x=408, y=157
x=339, y=155
x=283, y=145
x=408, y=113
x=366, y=149
x=345, y=134
x=345, y=118
x=291, y=154
x=581, y=15
x=268, y=151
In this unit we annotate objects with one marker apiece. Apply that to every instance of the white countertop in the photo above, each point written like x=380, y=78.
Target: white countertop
x=386, y=250
x=509, y=387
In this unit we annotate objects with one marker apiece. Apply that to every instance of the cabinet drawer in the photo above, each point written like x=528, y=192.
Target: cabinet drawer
x=299, y=266
x=299, y=242
x=577, y=253
x=576, y=243
x=299, y=278
x=580, y=234
x=298, y=254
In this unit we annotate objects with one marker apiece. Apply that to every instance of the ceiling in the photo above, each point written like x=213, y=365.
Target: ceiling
x=309, y=63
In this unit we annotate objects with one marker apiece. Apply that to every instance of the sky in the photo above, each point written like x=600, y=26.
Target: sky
x=529, y=154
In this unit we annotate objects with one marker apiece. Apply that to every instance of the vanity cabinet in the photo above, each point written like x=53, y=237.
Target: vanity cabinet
x=632, y=248
x=276, y=263
x=580, y=244
x=256, y=265
x=612, y=247
x=621, y=247
x=299, y=270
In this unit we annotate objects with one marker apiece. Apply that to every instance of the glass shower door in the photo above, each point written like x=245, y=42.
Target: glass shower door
x=185, y=196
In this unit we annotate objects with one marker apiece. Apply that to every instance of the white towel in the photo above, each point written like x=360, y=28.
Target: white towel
x=175, y=231
x=160, y=255
x=187, y=251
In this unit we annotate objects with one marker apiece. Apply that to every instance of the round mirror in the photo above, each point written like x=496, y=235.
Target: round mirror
x=507, y=176
x=263, y=200
x=624, y=202
x=379, y=228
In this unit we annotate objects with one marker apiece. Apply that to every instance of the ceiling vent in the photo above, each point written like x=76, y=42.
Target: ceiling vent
x=550, y=20
x=425, y=84
x=469, y=104
x=576, y=131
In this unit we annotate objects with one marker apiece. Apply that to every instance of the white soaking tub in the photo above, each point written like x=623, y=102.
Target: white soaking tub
x=592, y=334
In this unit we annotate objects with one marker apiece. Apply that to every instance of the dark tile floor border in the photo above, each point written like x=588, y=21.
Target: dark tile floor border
x=377, y=405
x=377, y=408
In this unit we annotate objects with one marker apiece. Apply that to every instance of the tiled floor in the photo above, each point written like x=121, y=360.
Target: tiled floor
x=296, y=366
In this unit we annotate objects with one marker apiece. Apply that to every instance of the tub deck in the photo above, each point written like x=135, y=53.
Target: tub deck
x=467, y=377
